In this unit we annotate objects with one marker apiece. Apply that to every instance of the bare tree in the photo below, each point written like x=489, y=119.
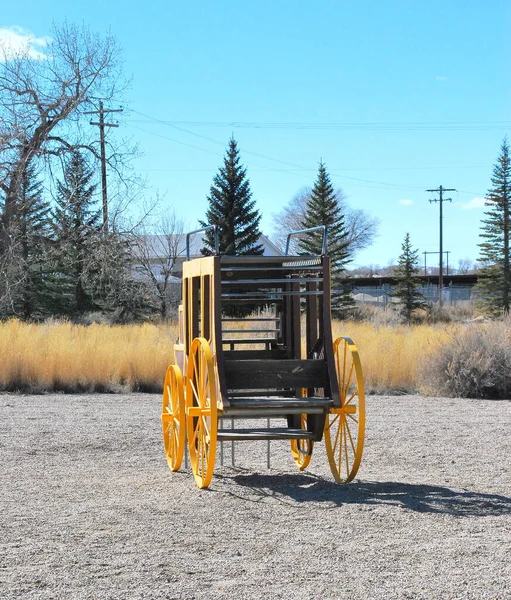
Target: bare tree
x=42, y=101
x=465, y=265
x=362, y=228
x=155, y=257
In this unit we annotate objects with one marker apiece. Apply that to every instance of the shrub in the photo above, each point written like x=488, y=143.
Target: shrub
x=474, y=363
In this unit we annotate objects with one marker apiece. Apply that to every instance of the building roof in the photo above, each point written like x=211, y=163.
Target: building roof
x=379, y=280
x=157, y=246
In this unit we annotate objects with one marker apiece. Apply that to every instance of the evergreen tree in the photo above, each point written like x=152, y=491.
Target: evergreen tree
x=494, y=286
x=26, y=276
x=324, y=208
x=108, y=278
x=231, y=208
x=76, y=224
x=31, y=224
x=406, y=291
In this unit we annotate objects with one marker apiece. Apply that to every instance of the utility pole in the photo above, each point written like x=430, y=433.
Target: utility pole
x=441, y=200
x=101, y=124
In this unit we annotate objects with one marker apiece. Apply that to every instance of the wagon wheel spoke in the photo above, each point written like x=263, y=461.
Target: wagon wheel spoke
x=201, y=419
x=345, y=426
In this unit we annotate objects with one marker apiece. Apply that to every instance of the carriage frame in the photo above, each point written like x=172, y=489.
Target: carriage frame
x=255, y=341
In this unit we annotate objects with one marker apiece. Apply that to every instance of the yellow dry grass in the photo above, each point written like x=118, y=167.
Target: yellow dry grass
x=67, y=357
x=393, y=357
x=63, y=356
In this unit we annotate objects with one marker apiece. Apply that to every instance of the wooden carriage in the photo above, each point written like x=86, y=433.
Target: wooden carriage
x=255, y=340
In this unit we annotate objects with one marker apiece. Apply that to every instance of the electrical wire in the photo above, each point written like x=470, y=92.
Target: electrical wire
x=361, y=126
x=296, y=168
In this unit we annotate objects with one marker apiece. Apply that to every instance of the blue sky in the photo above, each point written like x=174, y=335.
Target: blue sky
x=394, y=96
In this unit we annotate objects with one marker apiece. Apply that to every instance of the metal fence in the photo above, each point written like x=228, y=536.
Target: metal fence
x=382, y=296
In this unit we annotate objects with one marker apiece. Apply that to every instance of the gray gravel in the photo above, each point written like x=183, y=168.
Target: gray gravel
x=89, y=509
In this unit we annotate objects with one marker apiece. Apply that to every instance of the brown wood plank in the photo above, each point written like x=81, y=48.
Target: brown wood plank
x=303, y=404
x=332, y=389
x=296, y=320
x=275, y=374
x=255, y=340
x=255, y=354
x=273, y=433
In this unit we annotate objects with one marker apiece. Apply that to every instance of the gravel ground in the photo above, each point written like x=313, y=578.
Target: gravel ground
x=89, y=509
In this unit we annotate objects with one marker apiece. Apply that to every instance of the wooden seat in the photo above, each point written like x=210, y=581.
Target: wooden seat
x=277, y=406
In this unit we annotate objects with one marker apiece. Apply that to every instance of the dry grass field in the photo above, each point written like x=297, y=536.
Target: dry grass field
x=65, y=357
x=75, y=358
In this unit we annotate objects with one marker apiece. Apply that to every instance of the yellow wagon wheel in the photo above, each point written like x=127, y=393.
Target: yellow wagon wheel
x=345, y=426
x=201, y=411
x=301, y=450
x=173, y=417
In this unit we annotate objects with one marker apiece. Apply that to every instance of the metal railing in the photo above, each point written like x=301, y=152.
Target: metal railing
x=203, y=229
x=298, y=232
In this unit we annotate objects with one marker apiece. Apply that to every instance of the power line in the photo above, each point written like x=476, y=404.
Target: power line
x=295, y=167
x=165, y=137
x=245, y=151
x=354, y=126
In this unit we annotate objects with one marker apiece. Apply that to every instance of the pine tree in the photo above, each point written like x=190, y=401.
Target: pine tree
x=32, y=224
x=76, y=223
x=27, y=277
x=406, y=291
x=231, y=208
x=323, y=208
x=494, y=286
x=109, y=279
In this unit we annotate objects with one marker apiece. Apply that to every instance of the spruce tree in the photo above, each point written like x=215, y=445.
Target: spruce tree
x=407, y=285
x=323, y=208
x=26, y=276
x=32, y=227
x=109, y=279
x=76, y=224
x=494, y=285
x=231, y=208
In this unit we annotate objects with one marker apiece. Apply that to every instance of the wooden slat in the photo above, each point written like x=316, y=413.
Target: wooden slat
x=244, y=354
x=267, y=268
x=252, y=331
x=249, y=319
x=268, y=261
x=260, y=340
x=303, y=404
x=269, y=393
x=275, y=433
x=250, y=295
x=271, y=282
x=271, y=374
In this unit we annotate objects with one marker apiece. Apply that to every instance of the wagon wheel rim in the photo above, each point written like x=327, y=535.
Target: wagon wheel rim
x=201, y=412
x=301, y=450
x=345, y=426
x=173, y=417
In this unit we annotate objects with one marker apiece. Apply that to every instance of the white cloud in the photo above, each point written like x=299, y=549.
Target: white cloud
x=442, y=78
x=406, y=202
x=474, y=203
x=16, y=40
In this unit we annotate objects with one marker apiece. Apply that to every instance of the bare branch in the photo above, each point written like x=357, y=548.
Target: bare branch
x=42, y=102
x=362, y=228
